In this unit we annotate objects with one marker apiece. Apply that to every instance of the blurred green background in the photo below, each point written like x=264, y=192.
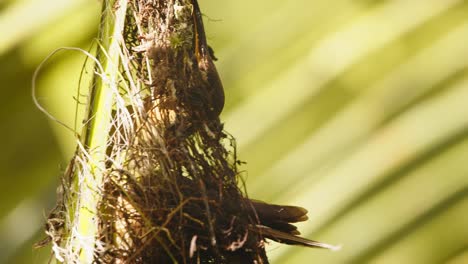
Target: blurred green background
x=356, y=110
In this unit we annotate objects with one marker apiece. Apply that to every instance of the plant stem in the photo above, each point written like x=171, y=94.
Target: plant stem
x=96, y=133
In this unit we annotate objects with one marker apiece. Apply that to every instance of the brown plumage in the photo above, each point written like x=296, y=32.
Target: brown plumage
x=275, y=223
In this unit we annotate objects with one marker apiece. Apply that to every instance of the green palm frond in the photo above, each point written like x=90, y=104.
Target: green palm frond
x=355, y=110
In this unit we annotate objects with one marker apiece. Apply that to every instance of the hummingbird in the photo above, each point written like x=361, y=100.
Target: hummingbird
x=275, y=221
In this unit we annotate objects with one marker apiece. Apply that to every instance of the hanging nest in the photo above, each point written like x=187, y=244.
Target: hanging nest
x=170, y=191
